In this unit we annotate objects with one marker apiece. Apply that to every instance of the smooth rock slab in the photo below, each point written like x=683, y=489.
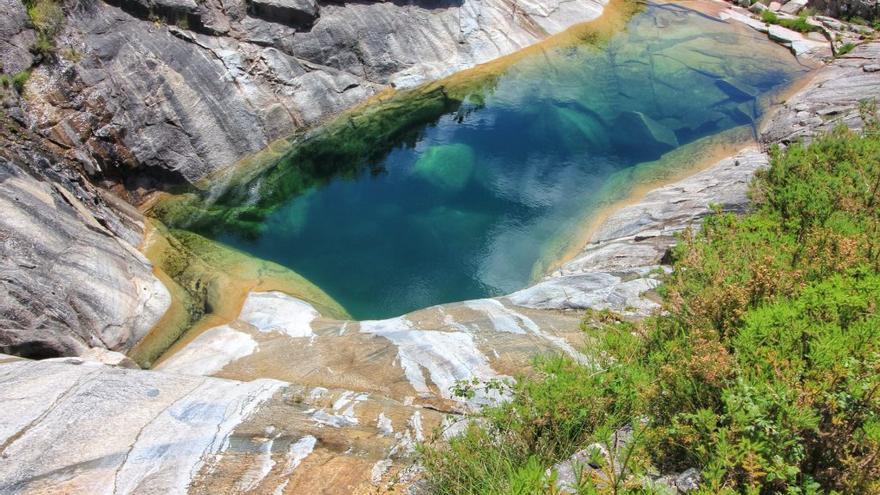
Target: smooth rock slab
x=93, y=429
x=99, y=430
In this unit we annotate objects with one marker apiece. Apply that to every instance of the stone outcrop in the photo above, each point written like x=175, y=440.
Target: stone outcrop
x=292, y=12
x=169, y=91
x=866, y=9
x=833, y=97
x=72, y=276
x=90, y=428
x=16, y=38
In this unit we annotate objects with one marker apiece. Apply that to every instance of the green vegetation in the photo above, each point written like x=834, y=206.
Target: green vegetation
x=844, y=49
x=763, y=372
x=798, y=24
x=17, y=80
x=47, y=18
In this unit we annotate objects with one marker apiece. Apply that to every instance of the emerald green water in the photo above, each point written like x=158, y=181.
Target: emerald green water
x=439, y=198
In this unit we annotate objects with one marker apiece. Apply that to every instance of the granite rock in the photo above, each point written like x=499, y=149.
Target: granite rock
x=72, y=277
x=833, y=97
x=154, y=103
x=16, y=38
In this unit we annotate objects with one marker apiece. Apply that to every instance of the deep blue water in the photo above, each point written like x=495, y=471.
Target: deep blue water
x=467, y=204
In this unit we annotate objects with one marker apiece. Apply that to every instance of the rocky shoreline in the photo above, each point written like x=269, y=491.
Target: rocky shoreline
x=139, y=96
x=292, y=401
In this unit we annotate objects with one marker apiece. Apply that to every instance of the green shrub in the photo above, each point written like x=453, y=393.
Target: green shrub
x=20, y=79
x=769, y=17
x=798, y=24
x=47, y=18
x=16, y=81
x=763, y=372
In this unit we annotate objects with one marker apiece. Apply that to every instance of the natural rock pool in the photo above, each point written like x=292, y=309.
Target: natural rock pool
x=445, y=195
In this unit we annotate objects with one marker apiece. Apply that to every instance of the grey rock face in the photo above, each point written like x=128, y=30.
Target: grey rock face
x=866, y=9
x=16, y=37
x=292, y=12
x=621, y=263
x=793, y=7
x=831, y=98
x=209, y=83
x=70, y=275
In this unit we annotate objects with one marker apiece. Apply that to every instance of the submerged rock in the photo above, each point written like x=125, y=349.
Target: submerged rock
x=447, y=166
x=637, y=129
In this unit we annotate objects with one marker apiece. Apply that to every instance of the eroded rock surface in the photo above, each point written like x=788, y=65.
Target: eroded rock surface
x=16, y=37
x=147, y=432
x=833, y=97
x=171, y=91
x=71, y=277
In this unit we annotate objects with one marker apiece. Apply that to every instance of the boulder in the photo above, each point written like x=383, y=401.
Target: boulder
x=793, y=7
x=866, y=9
x=799, y=44
x=831, y=98
x=301, y=13
x=688, y=481
x=638, y=129
x=757, y=7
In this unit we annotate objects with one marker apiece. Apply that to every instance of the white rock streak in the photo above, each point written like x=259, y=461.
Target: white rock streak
x=297, y=452
x=505, y=319
x=447, y=356
x=210, y=352
x=257, y=472
x=342, y=412
x=383, y=424
x=277, y=312
x=215, y=348
x=174, y=446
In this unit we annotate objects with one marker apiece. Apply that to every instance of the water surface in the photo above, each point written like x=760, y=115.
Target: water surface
x=460, y=198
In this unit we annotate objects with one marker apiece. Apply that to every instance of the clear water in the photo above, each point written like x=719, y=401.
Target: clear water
x=465, y=199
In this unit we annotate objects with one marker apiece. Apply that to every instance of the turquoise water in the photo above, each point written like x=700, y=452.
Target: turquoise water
x=463, y=199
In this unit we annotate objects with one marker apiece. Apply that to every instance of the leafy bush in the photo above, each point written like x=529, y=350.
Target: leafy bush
x=763, y=372
x=20, y=79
